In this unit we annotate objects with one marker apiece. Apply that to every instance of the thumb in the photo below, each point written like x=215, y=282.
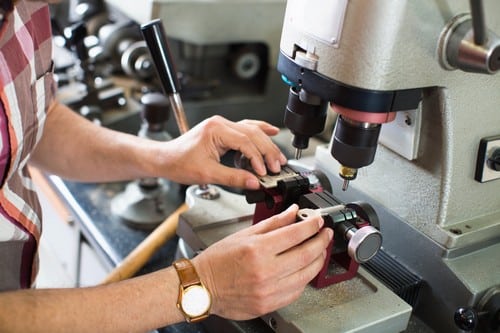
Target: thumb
x=282, y=219
x=233, y=177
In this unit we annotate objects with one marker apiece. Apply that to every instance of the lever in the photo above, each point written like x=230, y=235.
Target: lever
x=467, y=44
x=478, y=22
x=156, y=41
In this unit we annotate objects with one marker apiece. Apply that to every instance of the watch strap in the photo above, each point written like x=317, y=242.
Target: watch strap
x=186, y=272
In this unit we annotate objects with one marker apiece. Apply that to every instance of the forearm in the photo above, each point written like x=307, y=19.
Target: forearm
x=135, y=305
x=74, y=148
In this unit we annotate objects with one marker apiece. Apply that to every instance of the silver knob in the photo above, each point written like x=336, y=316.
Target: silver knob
x=364, y=243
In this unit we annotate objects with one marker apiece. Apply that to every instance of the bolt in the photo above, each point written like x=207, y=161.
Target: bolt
x=408, y=120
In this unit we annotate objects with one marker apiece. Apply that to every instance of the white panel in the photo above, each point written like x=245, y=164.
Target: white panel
x=323, y=19
x=403, y=134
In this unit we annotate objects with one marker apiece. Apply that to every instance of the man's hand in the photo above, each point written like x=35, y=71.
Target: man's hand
x=195, y=156
x=264, y=267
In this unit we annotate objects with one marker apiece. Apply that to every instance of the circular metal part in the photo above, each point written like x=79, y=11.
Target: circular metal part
x=457, y=48
x=207, y=192
x=354, y=144
x=143, y=66
x=248, y=61
x=247, y=65
x=141, y=207
x=348, y=173
x=364, y=243
x=446, y=35
x=115, y=38
x=136, y=61
x=363, y=116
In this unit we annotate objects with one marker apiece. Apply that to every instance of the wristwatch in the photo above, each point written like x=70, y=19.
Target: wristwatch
x=194, y=299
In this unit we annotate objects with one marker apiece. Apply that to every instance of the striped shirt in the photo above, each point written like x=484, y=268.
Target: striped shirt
x=26, y=90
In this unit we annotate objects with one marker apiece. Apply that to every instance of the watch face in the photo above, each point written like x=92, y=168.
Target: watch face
x=195, y=301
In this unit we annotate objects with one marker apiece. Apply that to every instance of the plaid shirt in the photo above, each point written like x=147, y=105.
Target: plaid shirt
x=26, y=89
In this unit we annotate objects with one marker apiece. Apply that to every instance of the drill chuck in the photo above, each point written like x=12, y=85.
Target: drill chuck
x=304, y=118
x=355, y=143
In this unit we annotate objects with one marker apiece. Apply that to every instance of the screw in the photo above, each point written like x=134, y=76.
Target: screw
x=408, y=120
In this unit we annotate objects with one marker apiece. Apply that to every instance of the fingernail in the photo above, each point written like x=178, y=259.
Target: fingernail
x=277, y=165
x=252, y=183
x=283, y=159
x=330, y=233
x=321, y=222
x=260, y=170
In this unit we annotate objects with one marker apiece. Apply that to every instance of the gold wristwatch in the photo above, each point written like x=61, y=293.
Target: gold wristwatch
x=194, y=299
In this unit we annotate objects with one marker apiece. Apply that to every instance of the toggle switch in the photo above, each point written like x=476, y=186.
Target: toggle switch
x=488, y=159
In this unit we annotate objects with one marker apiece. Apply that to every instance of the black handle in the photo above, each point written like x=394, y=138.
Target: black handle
x=156, y=41
x=75, y=38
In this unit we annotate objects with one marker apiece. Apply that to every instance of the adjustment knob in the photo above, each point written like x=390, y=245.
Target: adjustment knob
x=156, y=108
x=466, y=319
x=494, y=160
x=364, y=243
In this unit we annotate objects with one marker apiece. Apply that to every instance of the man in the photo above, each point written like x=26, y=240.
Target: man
x=252, y=272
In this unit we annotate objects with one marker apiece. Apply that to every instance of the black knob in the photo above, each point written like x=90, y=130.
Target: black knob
x=75, y=37
x=466, y=319
x=156, y=41
x=494, y=160
x=156, y=108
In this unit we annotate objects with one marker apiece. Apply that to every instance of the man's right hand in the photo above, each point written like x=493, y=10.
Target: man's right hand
x=264, y=267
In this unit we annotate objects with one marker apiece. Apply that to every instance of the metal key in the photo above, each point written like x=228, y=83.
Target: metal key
x=304, y=213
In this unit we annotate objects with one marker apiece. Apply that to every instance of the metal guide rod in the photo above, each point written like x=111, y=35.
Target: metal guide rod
x=478, y=22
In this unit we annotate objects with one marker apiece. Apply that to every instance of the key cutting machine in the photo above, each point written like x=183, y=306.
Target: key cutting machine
x=343, y=296
x=415, y=88
x=427, y=70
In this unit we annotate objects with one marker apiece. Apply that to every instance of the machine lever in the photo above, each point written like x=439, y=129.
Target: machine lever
x=467, y=44
x=156, y=41
x=478, y=22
